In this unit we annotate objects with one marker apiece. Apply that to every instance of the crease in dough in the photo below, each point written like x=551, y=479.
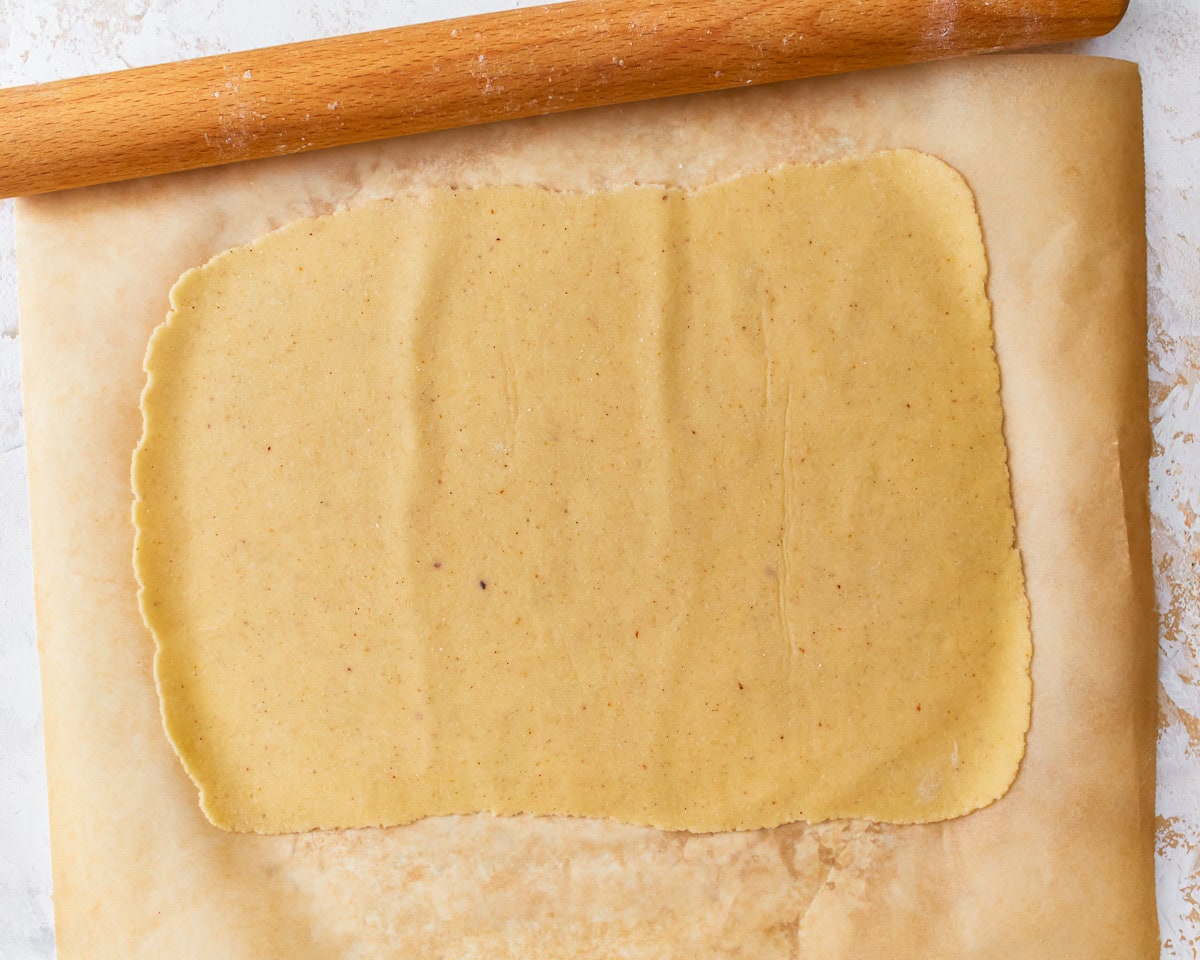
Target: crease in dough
x=683, y=509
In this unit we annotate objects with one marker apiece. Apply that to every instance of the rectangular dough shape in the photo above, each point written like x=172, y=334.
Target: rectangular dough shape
x=686, y=509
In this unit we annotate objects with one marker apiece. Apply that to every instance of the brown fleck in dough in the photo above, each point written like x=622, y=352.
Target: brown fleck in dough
x=683, y=509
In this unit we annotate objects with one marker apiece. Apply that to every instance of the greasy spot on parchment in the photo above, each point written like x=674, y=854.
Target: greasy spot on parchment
x=593, y=878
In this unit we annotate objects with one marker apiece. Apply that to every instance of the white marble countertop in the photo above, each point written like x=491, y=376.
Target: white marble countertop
x=49, y=39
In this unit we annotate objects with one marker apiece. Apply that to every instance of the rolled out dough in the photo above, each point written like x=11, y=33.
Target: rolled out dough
x=683, y=509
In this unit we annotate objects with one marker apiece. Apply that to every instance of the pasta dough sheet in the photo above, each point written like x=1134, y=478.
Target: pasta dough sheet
x=1060, y=868
x=684, y=509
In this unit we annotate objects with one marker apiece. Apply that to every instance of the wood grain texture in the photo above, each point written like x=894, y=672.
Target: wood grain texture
x=454, y=73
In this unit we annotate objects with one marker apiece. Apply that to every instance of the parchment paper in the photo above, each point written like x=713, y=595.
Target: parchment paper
x=1061, y=867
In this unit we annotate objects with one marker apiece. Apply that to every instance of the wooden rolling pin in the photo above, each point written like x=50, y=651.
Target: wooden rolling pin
x=433, y=76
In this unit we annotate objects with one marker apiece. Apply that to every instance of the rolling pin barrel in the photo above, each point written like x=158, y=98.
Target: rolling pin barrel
x=454, y=73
